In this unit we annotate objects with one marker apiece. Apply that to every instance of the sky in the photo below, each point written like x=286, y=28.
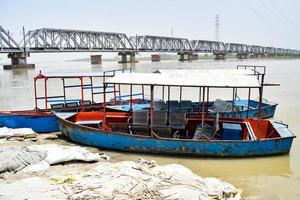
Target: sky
x=260, y=22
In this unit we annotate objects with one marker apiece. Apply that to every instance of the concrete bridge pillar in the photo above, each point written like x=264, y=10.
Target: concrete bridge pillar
x=18, y=60
x=186, y=56
x=220, y=56
x=124, y=57
x=132, y=57
x=96, y=59
x=155, y=58
x=242, y=55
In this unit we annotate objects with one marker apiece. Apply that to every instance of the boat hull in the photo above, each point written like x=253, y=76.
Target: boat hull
x=133, y=143
x=39, y=122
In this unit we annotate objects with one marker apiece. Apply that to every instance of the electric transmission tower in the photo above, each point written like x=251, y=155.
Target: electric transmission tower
x=217, y=31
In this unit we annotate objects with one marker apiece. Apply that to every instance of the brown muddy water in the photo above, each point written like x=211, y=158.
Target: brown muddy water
x=275, y=177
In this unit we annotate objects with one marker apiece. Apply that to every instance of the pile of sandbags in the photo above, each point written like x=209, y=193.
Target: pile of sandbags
x=17, y=133
x=123, y=180
x=146, y=180
x=39, y=157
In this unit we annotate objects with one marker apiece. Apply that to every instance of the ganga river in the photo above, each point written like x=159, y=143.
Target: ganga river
x=274, y=177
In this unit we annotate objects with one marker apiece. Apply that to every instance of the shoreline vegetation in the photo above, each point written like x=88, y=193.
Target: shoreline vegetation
x=166, y=57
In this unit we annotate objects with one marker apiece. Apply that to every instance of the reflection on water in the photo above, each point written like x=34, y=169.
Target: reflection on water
x=276, y=177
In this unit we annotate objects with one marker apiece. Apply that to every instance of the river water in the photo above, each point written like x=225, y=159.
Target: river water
x=275, y=177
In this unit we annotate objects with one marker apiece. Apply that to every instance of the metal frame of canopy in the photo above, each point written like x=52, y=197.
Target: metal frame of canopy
x=201, y=90
x=82, y=86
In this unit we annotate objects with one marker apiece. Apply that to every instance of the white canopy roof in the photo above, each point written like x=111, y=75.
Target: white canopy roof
x=190, y=78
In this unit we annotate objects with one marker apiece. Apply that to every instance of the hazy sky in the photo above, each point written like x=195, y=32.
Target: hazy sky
x=262, y=22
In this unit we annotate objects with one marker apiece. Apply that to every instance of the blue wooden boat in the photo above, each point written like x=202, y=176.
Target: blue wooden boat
x=181, y=133
x=40, y=122
x=83, y=128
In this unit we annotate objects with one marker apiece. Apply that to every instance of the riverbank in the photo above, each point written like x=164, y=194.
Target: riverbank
x=94, y=175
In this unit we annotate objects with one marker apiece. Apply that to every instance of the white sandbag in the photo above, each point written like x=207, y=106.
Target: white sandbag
x=17, y=158
x=5, y=132
x=31, y=188
x=16, y=132
x=37, y=167
x=60, y=153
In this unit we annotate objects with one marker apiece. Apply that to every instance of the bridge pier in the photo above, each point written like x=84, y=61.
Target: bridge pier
x=155, y=58
x=242, y=55
x=18, y=60
x=124, y=57
x=187, y=56
x=183, y=56
x=96, y=59
x=220, y=56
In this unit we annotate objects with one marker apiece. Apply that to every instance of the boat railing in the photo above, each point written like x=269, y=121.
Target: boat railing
x=86, y=83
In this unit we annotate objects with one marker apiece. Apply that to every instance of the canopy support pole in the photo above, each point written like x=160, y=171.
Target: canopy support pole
x=143, y=93
x=82, y=96
x=35, y=94
x=202, y=118
x=115, y=94
x=259, y=112
x=46, y=95
x=151, y=106
x=64, y=89
x=92, y=88
x=119, y=91
x=233, y=99
x=248, y=106
x=260, y=104
x=104, y=103
x=199, y=100
x=163, y=93
x=180, y=93
x=168, y=101
x=130, y=98
x=207, y=101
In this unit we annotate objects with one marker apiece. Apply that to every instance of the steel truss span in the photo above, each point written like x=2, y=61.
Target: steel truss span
x=148, y=43
x=64, y=40
x=7, y=43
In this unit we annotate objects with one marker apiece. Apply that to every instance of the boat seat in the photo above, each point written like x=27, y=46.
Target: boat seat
x=173, y=105
x=178, y=121
x=58, y=107
x=87, y=105
x=140, y=122
x=159, y=124
x=120, y=127
x=72, y=106
x=186, y=106
x=159, y=105
x=85, y=102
